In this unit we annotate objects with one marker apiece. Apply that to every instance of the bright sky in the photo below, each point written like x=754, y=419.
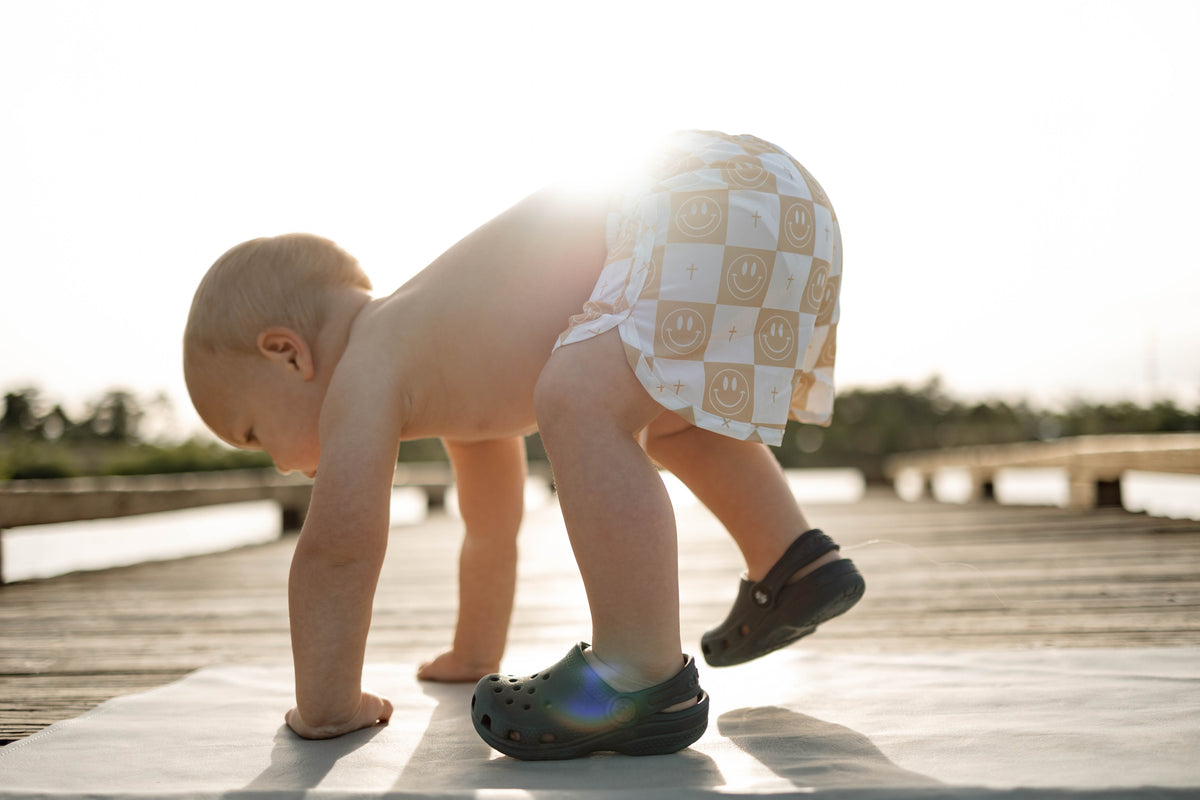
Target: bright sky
x=1016, y=182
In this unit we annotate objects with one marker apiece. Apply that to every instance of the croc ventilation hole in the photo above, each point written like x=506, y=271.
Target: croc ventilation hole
x=486, y=721
x=547, y=738
x=708, y=651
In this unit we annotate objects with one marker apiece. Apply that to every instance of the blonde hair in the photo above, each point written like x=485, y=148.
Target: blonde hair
x=280, y=280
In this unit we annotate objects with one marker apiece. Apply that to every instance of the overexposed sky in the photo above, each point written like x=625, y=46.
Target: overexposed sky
x=1017, y=182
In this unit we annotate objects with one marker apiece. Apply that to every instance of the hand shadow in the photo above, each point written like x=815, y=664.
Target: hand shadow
x=298, y=764
x=452, y=758
x=813, y=754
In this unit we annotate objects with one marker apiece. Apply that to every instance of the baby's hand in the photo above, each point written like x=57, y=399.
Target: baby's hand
x=453, y=668
x=372, y=710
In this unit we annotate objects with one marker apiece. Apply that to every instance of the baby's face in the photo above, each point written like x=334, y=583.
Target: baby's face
x=254, y=404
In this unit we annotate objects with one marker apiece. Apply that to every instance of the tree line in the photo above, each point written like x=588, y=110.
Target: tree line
x=871, y=424
x=40, y=440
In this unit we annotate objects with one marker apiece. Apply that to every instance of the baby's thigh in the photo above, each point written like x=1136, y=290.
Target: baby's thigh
x=590, y=382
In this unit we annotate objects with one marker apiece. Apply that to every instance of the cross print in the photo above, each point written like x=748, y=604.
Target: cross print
x=660, y=387
x=757, y=217
x=692, y=271
x=732, y=331
x=678, y=386
x=827, y=233
x=774, y=392
x=788, y=288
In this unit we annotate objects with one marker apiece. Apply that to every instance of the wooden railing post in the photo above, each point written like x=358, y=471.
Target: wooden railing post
x=292, y=517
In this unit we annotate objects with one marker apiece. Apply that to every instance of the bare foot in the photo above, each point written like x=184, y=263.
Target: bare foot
x=452, y=668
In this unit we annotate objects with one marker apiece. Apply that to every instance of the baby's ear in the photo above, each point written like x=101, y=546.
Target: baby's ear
x=288, y=348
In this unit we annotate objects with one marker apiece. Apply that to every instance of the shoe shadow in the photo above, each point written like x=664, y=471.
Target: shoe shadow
x=813, y=754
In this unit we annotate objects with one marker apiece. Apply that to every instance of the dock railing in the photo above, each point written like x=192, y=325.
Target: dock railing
x=37, y=502
x=1094, y=464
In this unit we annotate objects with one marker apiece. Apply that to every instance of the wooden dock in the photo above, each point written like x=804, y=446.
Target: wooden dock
x=939, y=577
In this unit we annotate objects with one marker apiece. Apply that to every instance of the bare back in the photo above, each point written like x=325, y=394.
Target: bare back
x=469, y=335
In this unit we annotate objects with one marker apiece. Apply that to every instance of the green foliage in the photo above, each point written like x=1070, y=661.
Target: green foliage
x=871, y=424
x=40, y=441
x=190, y=456
x=30, y=461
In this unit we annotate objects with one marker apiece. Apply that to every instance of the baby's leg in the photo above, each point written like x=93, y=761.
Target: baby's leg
x=795, y=578
x=741, y=483
x=618, y=515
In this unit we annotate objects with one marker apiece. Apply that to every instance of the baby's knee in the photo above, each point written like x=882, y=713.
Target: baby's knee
x=553, y=397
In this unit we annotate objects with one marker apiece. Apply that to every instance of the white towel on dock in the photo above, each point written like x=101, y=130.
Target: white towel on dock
x=1092, y=723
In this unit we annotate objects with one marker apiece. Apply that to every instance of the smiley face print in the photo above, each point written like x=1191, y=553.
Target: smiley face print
x=746, y=172
x=815, y=288
x=829, y=299
x=699, y=217
x=729, y=391
x=796, y=225
x=775, y=338
x=683, y=329
x=745, y=275
x=828, y=354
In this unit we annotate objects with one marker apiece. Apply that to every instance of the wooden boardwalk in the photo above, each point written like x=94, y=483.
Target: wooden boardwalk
x=939, y=577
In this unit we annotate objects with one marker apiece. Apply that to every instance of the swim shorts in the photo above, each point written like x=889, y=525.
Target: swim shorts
x=722, y=275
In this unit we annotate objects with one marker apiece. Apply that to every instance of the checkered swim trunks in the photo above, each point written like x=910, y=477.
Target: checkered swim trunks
x=723, y=272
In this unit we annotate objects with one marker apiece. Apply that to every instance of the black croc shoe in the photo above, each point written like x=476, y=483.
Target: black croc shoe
x=772, y=613
x=567, y=711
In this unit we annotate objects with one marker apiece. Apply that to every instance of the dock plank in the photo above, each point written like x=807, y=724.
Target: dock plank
x=979, y=576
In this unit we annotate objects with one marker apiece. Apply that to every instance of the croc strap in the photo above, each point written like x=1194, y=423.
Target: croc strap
x=810, y=546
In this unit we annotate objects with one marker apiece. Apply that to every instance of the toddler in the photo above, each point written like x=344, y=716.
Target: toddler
x=677, y=322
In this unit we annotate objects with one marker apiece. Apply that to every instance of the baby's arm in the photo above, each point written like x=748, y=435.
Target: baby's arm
x=338, y=558
x=490, y=477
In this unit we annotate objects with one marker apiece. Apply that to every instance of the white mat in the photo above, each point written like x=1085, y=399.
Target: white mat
x=1072, y=723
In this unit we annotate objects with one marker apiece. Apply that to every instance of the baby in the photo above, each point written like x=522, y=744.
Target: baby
x=677, y=322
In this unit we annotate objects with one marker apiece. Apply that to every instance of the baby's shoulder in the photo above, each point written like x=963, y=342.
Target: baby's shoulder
x=375, y=352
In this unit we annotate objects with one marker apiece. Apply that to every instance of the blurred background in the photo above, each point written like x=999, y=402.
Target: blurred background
x=1016, y=185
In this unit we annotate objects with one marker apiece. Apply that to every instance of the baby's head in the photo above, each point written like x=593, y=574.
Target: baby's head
x=250, y=347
